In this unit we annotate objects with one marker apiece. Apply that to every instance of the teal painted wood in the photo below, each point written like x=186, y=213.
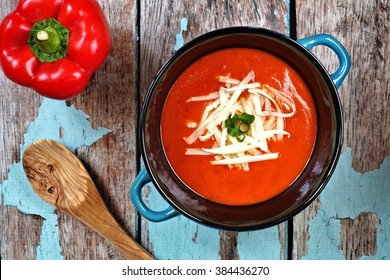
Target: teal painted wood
x=181, y=238
x=351, y=218
x=337, y=219
x=348, y=194
x=262, y=244
x=110, y=100
x=61, y=123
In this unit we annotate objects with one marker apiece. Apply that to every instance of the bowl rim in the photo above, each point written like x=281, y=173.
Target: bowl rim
x=338, y=115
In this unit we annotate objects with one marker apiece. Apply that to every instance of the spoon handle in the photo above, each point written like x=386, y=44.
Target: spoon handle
x=60, y=179
x=99, y=218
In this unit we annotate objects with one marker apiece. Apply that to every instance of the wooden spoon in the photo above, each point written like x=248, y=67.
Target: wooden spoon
x=59, y=178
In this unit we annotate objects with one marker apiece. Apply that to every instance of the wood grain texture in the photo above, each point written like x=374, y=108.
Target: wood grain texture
x=115, y=93
x=16, y=103
x=160, y=22
x=363, y=28
x=111, y=101
x=228, y=245
x=60, y=179
x=301, y=230
x=358, y=236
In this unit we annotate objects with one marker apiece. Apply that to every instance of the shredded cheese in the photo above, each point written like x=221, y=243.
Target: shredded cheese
x=246, y=159
x=269, y=106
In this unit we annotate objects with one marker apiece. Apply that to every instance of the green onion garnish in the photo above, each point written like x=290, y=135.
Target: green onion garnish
x=237, y=125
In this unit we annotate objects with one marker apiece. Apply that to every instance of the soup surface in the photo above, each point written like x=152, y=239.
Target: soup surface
x=234, y=185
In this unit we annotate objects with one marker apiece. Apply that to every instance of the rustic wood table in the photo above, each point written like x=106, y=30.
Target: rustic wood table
x=349, y=220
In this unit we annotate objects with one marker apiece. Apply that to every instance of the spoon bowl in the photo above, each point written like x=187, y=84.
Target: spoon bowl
x=60, y=179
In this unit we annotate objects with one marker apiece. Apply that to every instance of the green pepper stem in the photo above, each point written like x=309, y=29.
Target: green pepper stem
x=42, y=36
x=49, y=40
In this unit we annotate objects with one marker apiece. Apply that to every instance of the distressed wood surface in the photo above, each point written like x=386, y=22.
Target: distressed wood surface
x=115, y=95
x=160, y=22
x=111, y=101
x=363, y=28
x=14, y=106
x=58, y=176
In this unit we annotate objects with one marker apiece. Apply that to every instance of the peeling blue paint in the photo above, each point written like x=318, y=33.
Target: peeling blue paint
x=183, y=239
x=61, y=123
x=179, y=36
x=261, y=244
x=49, y=245
x=180, y=238
x=348, y=194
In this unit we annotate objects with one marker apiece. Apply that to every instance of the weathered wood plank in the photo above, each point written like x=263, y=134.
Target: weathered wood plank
x=350, y=219
x=363, y=28
x=111, y=102
x=357, y=236
x=16, y=103
x=354, y=202
x=160, y=22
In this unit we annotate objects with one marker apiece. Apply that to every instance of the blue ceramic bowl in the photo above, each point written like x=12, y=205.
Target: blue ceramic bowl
x=303, y=191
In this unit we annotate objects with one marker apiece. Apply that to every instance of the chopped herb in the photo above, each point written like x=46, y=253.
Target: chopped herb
x=241, y=137
x=244, y=128
x=237, y=126
x=247, y=118
x=231, y=126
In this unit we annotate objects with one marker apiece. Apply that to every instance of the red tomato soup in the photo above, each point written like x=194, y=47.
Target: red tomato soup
x=221, y=183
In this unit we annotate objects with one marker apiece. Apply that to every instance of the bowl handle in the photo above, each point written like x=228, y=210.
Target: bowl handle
x=331, y=42
x=135, y=193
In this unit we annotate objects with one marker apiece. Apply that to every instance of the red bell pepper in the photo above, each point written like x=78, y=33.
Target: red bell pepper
x=54, y=46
